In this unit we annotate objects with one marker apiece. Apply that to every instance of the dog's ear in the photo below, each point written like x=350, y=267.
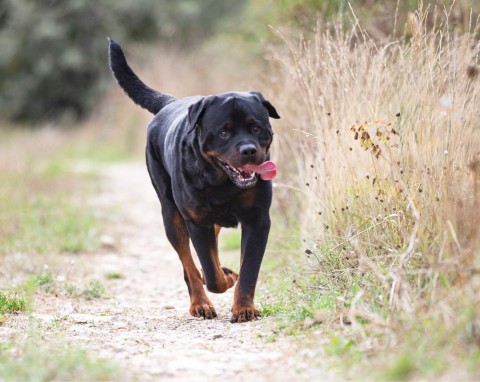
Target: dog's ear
x=272, y=112
x=196, y=110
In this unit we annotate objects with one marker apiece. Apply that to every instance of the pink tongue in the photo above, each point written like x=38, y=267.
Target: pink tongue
x=267, y=170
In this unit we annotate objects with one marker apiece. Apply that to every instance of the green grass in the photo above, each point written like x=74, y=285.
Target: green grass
x=43, y=191
x=39, y=361
x=230, y=239
x=47, y=282
x=389, y=191
x=287, y=289
x=93, y=290
x=72, y=290
x=43, y=224
x=11, y=303
x=47, y=176
x=114, y=275
x=42, y=201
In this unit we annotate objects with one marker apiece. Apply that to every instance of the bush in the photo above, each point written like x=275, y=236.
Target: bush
x=54, y=53
x=388, y=168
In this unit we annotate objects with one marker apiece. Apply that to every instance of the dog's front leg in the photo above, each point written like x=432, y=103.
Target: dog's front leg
x=204, y=239
x=254, y=240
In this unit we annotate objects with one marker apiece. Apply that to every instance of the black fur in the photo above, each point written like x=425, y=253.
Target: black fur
x=189, y=141
x=140, y=93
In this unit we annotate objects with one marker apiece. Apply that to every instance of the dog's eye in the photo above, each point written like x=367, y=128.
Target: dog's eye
x=256, y=129
x=224, y=134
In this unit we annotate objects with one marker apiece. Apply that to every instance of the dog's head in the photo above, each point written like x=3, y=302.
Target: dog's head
x=234, y=132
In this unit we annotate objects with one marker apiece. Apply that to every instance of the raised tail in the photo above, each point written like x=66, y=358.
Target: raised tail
x=140, y=93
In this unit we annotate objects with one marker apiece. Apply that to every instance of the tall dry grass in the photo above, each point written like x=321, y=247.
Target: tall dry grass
x=385, y=142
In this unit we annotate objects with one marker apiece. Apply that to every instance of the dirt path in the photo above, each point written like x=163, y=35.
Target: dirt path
x=144, y=324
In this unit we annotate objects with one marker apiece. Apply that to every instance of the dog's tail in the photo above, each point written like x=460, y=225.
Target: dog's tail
x=140, y=93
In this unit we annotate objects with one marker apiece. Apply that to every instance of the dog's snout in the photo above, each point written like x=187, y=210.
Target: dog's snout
x=248, y=150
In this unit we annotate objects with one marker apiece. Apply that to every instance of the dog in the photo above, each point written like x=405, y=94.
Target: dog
x=208, y=160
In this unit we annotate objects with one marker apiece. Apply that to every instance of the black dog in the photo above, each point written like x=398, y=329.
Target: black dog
x=204, y=156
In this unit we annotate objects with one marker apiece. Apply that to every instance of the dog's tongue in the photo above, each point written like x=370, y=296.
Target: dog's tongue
x=267, y=170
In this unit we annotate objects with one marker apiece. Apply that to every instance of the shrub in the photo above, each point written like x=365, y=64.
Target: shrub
x=54, y=53
x=386, y=143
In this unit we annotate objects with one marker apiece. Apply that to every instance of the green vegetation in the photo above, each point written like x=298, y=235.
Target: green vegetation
x=387, y=181
x=229, y=240
x=44, y=223
x=40, y=361
x=93, y=290
x=114, y=275
x=47, y=282
x=47, y=68
x=49, y=224
x=11, y=303
x=45, y=185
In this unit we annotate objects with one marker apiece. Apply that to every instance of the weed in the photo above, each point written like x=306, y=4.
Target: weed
x=38, y=361
x=45, y=281
x=386, y=158
x=114, y=275
x=340, y=346
x=11, y=303
x=41, y=198
x=72, y=290
x=93, y=290
x=48, y=224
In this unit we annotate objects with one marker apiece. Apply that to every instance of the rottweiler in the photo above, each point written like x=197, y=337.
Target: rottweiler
x=208, y=160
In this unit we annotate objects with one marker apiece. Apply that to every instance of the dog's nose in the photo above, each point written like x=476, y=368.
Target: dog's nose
x=247, y=150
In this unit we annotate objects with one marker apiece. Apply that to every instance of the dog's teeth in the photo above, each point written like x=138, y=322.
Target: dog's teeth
x=242, y=179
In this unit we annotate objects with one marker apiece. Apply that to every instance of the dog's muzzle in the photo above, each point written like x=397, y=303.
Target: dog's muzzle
x=241, y=178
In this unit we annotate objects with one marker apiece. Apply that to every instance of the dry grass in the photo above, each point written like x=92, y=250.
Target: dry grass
x=386, y=142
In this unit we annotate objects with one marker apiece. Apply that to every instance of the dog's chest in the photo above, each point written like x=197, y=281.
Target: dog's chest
x=204, y=214
x=218, y=208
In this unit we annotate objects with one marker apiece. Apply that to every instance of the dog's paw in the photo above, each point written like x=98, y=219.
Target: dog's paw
x=228, y=271
x=231, y=276
x=242, y=313
x=203, y=310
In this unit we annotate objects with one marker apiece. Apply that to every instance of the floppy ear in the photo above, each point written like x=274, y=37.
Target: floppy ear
x=196, y=110
x=272, y=113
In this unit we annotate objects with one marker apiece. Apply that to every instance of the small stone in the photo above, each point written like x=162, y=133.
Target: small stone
x=107, y=241
x=79, y=330
x=120, y=325
x=79, y=318
x=67, y=309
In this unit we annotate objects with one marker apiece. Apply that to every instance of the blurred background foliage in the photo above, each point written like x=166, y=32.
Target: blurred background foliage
x=53, y=52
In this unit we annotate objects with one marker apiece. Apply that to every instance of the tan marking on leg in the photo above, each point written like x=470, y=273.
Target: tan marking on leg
x=223, y=281
x=200, y=304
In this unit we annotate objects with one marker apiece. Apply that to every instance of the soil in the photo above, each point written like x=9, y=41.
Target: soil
x=143, y=324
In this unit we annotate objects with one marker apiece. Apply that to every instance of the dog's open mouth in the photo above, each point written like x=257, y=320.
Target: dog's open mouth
x=241, y=178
